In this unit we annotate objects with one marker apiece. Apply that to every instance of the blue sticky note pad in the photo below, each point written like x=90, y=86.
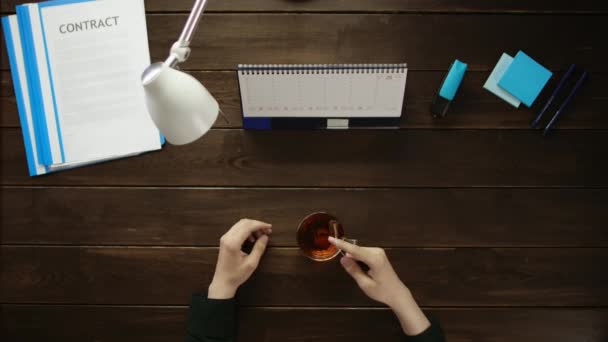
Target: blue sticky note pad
x=492, y=83
x=524, y=78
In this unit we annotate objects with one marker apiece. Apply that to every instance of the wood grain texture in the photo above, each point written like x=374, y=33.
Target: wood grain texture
x=389, y=218
x=473, y=108
x=163, y=276
x=500, y=6
x=4, y=63
x=118, y=324
x=345, y=159
x=425, y=42
x=499, y=232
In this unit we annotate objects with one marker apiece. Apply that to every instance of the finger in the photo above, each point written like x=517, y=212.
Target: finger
x=353, y=251
x=258, y=249
x=241, y=231
x=352, y=268
x=251, y=238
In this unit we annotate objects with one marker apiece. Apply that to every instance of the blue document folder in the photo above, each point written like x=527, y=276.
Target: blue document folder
x=78, y=103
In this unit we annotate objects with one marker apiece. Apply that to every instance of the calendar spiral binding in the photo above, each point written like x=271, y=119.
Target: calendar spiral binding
x=320, y=69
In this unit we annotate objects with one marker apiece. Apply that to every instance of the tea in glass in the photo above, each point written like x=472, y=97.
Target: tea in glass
x=313, y=234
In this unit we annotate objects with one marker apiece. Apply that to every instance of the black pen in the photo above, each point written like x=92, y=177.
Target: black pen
x=570, y=96
x=559, y=87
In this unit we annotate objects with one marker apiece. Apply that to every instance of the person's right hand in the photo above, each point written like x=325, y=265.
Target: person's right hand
x=381, y=283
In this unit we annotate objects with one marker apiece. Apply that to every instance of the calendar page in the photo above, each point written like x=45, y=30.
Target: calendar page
x=322, y=91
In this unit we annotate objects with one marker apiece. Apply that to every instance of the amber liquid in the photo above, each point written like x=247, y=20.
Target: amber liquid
x=313, y=236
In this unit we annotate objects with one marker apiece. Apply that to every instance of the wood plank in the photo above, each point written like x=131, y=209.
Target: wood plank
x=438, y=277
x=110, y=323
x=9, y=116
x=4, y=63
x=198, y=217
x=318, y=38
x=425, y=42
x=322, y=159
x=560, y=6
x=473, y=108
x=77, y=323
x=6, y=85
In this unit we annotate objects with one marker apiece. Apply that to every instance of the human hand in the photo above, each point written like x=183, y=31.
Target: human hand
x=381, y=283
x=234, y=266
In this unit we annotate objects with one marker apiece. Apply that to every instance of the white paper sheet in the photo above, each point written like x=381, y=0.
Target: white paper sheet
x=96, y=53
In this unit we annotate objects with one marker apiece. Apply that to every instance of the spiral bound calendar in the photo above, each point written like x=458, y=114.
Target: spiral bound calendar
x=337, y=96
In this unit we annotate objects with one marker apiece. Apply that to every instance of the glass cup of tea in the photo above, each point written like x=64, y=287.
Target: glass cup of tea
x=313, y=236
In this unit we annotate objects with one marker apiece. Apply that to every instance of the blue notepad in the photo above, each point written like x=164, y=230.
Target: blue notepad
x=492, y=83
x=524, y=78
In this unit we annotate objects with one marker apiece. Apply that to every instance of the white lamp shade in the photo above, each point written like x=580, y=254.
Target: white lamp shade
x=180, y=106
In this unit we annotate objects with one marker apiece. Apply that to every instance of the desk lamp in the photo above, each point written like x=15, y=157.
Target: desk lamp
x=180, y=106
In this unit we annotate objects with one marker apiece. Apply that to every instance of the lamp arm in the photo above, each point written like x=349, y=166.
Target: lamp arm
x=192, y=24
x=180, y=51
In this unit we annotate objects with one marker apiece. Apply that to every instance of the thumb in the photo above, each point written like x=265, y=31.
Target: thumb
x=356, y=272
x=258, y=249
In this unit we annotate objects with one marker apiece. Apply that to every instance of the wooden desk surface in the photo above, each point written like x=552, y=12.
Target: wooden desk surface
x=500, y=233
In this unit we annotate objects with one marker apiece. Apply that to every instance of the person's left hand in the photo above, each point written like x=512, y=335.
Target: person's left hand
x=234, y=266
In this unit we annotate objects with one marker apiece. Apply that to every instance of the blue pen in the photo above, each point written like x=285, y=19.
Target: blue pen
x=570, y=96
x=559, y=87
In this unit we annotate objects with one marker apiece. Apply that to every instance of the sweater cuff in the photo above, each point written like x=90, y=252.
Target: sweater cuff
x=431, y=334
x=211, y=318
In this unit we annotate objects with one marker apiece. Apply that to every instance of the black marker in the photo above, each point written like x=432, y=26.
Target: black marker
x=577, y=86
x=559, y=87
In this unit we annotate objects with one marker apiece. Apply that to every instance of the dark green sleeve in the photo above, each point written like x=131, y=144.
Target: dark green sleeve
x=211, y=320
x=432, y=334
